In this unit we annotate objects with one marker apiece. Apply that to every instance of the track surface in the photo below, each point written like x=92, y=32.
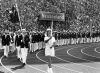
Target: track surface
x=81, y=58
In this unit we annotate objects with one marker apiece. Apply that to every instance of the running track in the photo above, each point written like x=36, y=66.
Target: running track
x=81, y=58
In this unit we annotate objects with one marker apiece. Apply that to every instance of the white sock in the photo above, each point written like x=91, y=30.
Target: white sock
x=48, y=70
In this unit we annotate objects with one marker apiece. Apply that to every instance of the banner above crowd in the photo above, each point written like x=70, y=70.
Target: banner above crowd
x=52, y=16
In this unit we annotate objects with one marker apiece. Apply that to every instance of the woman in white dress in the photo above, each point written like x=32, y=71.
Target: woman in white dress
x=49, y=47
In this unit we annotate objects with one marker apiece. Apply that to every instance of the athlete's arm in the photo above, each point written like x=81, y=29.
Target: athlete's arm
x=46, y=41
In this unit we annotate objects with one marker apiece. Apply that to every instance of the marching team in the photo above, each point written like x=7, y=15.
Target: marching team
x=6, y=42
x=66, y=38
x=25, y=42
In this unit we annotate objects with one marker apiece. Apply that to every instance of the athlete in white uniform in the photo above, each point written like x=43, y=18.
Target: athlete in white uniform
x=49, y=47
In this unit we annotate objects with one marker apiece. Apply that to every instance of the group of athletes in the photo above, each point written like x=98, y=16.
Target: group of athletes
x=23, y=42
x=65, y=38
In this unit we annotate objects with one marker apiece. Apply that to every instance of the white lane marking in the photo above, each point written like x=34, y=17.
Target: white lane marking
x=27, y=64
x=36, y=68
x=56, y=65
x=59, y=49
x=82, y=51
x=5, y=66
x=77, y=57
x=14, y=72
x=76, y=63
x=96, y=50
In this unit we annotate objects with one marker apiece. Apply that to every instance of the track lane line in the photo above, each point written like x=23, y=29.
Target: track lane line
x=27, y=64
x=15, y=72
x=73, y=62
x=77, y=63
x=36, y=68
x=5, y=66
x=82, y=50
x=96, y=50
x=91, y=55
x=78, y=57
x=56, y=65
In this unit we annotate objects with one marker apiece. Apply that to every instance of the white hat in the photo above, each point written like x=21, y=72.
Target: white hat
x=23, y=30
x=50, y=30
x=6, y=31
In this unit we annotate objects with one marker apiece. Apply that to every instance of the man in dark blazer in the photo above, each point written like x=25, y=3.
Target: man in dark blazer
x=33, y=40
x=18, y=39
x=6, y=42
x=24, y=46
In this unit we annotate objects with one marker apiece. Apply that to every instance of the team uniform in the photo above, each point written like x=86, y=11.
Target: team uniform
x=5, y=44
x=24, y=47
x=12, y=45
x=31, y=44
x=40, y=41
x=49, y=48
x=35, y=42
x=18, y=39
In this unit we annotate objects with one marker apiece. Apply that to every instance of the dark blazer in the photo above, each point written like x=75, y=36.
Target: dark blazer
x=6, y=40
x=33, y=38
x=25, y=42
x=18, y=40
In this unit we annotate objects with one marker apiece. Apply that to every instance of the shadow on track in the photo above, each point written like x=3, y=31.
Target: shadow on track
x=17, y=67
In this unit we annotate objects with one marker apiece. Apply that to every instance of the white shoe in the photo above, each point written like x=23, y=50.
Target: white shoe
x=51, y=71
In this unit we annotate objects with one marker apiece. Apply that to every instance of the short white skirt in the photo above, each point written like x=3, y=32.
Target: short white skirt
x=50, y=52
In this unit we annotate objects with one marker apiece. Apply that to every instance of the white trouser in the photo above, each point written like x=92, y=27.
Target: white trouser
x=43, y=45
x=60, y=42
x=91, y=40
x=35, y=46
x=6, y=50
x=50, y=52
x=30, y=47
x=68, y=41
x=24, y=52
x=82, y=40
x=12, y=47
x=99, y=39
x=57, y=42
x=72, y=41
x=40, y=45
x=1, y=45
x=18, y=52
